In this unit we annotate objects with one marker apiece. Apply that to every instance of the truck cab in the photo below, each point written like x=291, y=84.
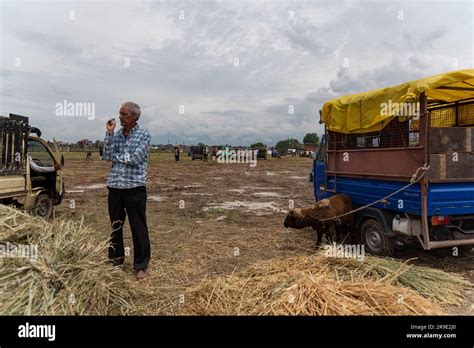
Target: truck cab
x=31, y=175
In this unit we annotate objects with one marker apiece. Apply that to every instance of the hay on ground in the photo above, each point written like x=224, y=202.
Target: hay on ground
x=70, y=275
x=321, y=285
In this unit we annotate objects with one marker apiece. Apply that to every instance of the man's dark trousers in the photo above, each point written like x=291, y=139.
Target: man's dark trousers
x=132, y=202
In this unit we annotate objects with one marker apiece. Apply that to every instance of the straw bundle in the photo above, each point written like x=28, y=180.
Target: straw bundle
x=439, y=286
x=305, y=295
x=70, y=275
x=320, y=285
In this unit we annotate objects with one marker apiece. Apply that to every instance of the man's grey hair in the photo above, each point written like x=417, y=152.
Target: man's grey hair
x=133, y=108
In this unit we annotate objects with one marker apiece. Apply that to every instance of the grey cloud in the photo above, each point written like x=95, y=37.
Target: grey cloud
x=307, y=36
x=190, y=62
x=58, y=44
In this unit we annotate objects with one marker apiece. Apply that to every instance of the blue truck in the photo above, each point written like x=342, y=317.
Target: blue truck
x=410, y=174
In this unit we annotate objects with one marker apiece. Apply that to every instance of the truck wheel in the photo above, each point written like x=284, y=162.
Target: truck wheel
x=375, y=240
x=43, y=207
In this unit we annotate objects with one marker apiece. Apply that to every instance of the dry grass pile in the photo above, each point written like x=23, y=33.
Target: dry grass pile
x=320, y=285
x=436, y=285
x=70, y=274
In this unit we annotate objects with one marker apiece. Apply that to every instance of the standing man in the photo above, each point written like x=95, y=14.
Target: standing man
x=176, y=154
x=101, y=150
x=128, y=151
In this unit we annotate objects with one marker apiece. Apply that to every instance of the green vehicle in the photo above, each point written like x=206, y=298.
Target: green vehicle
x=199, y=152
x=262, y=153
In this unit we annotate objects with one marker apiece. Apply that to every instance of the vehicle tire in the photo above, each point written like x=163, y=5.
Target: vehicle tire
x=43, y=207
x=374, y=238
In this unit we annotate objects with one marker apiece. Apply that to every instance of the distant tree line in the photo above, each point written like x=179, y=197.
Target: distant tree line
x=309, y=138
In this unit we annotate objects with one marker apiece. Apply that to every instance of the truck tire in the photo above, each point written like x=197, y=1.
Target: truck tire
x=374, y=239
x=43, y=207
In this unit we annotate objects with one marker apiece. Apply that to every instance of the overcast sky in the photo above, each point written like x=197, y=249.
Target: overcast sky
x=217, y=71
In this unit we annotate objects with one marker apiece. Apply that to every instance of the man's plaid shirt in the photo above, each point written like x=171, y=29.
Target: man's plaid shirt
x=129, y=157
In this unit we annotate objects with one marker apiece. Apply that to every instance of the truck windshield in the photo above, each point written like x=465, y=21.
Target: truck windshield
x=39, y=154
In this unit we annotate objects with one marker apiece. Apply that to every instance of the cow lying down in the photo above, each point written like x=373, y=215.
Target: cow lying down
x=335, y=230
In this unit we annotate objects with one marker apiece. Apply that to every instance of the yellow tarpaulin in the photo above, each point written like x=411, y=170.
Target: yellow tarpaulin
x=371, y=111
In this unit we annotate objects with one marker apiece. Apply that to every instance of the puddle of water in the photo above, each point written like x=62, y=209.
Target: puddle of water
x=237, y=190
x=270, y=173
x=156, y=198
x=258, y=208
x=262, y=188
x=91, y=187
x=299, y=177
x=74, y=191
x=170, y=188
x=192, y=186
x=267, y=194
x=197, y=194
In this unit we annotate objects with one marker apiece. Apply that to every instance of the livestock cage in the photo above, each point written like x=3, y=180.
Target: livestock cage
x=401, y=147
x=13, y=133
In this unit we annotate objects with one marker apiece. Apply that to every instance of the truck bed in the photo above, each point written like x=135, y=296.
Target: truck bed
x=443, y=198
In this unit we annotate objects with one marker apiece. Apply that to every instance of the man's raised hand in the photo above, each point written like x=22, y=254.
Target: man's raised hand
x=110, y=125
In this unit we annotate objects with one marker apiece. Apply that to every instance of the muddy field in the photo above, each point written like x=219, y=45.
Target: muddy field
x=207, y=219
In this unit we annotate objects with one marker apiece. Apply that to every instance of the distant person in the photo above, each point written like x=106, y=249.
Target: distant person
x=89, y=155
x=128, y=150
x=176, y=154
x=101, y=151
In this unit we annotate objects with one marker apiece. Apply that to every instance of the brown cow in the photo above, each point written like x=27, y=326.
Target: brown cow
x=337, y=230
